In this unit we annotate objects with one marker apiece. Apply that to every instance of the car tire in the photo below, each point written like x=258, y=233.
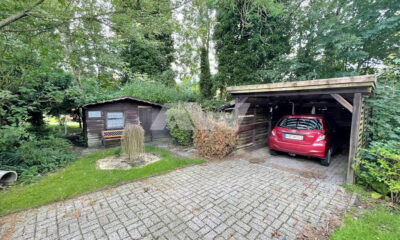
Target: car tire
x=273, y=152
x=327, y=160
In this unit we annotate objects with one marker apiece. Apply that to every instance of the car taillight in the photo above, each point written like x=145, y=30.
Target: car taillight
x=320, y=138
x=273, y=132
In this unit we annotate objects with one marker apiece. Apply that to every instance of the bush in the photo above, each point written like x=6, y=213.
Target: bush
x=33, y=158
x=11, y=137
x=179, y=125
x=380, y=169
x=215, y=134
x=378, y=166
x=384, y=123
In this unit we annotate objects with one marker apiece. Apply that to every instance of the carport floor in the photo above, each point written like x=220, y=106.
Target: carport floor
x=303, y=166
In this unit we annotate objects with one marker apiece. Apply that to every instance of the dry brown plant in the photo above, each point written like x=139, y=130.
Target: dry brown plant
x=133, y=141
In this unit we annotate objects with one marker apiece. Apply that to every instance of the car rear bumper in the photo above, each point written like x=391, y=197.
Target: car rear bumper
x=317, y=150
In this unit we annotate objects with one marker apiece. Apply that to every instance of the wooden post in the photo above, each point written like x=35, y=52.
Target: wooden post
x=269, y=123
x=237, y=110
x=253, y=122
x=355, y=130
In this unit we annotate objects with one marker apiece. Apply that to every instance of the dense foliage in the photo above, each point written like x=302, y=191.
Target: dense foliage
x=379, y=164
x=32, y=157
x=269, y=41
x=151, y=52
x=250, y=37
x=380, y=169
x=144, y=88
x=179, y=126
x=60, y=54
x=384, y=103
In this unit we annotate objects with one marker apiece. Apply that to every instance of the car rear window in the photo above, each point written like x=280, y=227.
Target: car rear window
x=301, y=123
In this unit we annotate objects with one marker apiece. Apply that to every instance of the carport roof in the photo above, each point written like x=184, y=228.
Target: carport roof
x=354, y=84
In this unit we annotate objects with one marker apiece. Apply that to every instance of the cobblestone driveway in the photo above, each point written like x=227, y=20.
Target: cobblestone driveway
x=222, y=200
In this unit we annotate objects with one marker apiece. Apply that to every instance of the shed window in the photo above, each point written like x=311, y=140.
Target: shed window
x=115, y=120
x=94, y=114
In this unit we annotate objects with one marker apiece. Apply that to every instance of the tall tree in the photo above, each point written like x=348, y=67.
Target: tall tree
x=206, y=85
x=336, y=38
x=148, y=45
x=250, y=36
x=194, y=39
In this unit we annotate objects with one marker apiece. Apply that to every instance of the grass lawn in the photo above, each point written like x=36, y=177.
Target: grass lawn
x=72, y=128
x=82, y=176
x=375, y=221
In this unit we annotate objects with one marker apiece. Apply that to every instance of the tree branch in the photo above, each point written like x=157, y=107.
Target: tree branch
x=19, y=15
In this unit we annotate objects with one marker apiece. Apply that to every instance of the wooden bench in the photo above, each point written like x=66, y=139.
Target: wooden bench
x=108, y=135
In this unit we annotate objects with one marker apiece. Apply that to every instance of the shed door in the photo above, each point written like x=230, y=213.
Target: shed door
x=146, y=120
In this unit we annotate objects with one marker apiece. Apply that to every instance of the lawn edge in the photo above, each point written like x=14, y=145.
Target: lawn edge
x=102, y=189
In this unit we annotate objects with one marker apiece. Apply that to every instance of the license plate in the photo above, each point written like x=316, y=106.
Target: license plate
x=292, y=136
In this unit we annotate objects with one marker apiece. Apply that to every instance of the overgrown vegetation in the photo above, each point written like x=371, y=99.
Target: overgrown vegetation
x=274, y=41
x=32, y=156
x=143, y=87
x=179, y=125
x=380, y=169
x=82, y=176
x=379, y=164
x=133, y=141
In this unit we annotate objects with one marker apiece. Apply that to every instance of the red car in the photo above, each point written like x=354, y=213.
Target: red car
x=306, y=135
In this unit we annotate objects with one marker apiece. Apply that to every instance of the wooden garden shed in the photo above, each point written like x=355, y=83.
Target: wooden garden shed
x=114, y=114
x=259, y=107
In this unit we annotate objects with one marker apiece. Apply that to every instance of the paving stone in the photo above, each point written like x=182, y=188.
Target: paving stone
x=221, y=200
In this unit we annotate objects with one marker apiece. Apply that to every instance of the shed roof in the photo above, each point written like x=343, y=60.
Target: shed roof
x=363, y=84
x=123, y=98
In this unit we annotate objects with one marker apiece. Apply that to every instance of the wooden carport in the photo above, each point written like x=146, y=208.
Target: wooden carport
x=254, y=105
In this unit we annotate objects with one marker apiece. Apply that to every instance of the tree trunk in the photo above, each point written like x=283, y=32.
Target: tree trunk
x=36, y=119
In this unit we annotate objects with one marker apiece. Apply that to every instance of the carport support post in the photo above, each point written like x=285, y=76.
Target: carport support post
x=354, y=136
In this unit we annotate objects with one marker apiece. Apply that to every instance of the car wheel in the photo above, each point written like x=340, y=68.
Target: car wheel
x=327, y=160
x=273, y=152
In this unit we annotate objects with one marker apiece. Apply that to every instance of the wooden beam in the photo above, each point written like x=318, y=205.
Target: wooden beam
x=307, y=92
x=343, y=82
x=354, y=135
x=343, y=101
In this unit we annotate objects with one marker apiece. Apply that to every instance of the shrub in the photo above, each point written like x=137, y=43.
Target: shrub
x=179, y=125
x=33, y=158
x=133, y=141
x=11, y=137
x=384, y=123
x=380, y=168
x=215, y=134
